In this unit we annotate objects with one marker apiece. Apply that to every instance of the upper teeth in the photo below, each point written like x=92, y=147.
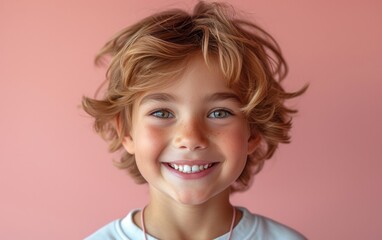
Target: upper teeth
x=190, y=169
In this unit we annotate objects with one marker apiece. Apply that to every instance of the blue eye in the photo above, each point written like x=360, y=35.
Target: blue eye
x=221, y=113
x=162, y=114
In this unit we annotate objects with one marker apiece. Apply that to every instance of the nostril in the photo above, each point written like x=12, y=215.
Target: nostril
x=191, y=143
x=192, y=146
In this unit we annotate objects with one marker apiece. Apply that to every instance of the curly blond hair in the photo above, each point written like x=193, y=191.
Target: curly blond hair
x=158, y=46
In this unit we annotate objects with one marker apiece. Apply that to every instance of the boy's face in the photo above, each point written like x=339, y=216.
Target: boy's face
x=190, y=140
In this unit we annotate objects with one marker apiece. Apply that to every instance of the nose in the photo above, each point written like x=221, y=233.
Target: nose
x=191, y=135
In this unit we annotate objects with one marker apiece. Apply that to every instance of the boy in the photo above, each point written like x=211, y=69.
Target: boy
x=196, y=103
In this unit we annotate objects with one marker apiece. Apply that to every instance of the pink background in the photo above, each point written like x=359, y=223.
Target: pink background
x=56, y=177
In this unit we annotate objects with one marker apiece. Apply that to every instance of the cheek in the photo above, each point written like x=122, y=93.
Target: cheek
x=150, y=133
x=149, y=141
x=236, y=141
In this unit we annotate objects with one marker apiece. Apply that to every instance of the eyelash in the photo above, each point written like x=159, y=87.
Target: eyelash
x=224, y=111
x=164, y=113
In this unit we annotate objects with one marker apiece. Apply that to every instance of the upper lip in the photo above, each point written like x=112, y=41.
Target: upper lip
x=190, y=162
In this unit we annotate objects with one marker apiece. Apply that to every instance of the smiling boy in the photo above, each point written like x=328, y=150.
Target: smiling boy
x=195, y=101
x=190, y=142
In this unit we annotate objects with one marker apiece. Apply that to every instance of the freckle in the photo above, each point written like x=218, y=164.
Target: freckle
x=216, y=133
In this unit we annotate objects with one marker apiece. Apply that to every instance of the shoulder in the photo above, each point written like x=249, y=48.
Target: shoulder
x=109, y=231
x=120, y=229
x=255, y=226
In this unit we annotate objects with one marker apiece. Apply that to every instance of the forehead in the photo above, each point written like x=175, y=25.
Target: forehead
x=196, y=83
x=195, y=76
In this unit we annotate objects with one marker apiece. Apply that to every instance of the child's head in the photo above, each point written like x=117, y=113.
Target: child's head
x=156, y=51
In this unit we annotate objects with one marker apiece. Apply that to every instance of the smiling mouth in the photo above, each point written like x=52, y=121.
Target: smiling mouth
x=184, y=168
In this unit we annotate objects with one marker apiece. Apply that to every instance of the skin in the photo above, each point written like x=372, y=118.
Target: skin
x=195, y=120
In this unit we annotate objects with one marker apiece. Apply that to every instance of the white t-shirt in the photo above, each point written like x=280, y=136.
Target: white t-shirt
x=250, y=227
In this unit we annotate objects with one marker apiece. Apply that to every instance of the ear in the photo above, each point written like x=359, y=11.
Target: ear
x=128, y=144
x=253, y=142
x=127, y=140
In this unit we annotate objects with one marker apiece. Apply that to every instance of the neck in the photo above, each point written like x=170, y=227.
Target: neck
x=168, y=219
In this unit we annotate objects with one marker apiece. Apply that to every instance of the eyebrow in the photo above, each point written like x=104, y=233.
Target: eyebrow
x=159, y=97
x=164, y=97
x=221, y=96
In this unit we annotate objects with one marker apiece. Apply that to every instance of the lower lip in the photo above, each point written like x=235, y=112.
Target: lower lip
x=195, y=175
